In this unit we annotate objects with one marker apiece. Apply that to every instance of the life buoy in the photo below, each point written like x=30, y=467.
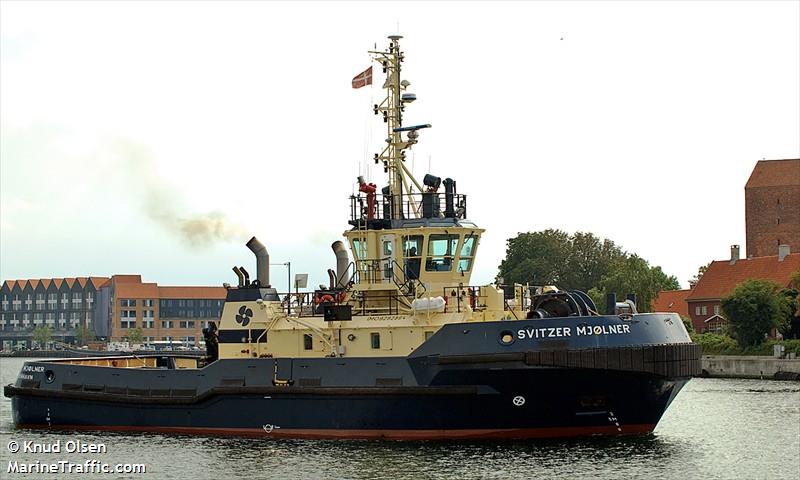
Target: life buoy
x=326, y=298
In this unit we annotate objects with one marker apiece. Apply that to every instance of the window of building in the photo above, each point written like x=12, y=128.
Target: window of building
x=148, y=323
x=704, y=310
x=187, y=324
x=375, y=340
x=716, y=309
x=697, y=310
x=147, y=302
x=127, y=302
x=166, y=324
x=128, y=323
x=40, y=301
x=128, y=314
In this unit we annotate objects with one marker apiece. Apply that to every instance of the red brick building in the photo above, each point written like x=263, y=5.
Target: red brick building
x=163, y=313
x=772, y=207
x=722, y=277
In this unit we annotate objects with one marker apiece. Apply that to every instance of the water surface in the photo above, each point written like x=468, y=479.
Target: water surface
x=715, y=429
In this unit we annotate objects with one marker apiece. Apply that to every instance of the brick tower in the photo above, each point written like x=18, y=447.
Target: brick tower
x=772, y=207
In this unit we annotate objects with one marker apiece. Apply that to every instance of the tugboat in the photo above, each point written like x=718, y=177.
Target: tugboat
x=398, y=345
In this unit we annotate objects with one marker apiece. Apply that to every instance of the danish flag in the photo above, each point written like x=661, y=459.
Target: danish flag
x=363, y=79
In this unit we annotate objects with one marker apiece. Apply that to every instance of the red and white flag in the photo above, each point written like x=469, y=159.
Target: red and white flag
x=363, y=79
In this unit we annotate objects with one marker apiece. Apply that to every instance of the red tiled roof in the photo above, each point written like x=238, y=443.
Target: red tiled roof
x=136, y=290
x=99, y=281
x=721, y=277
x=57, y=282
x=192, y=292
x=774, y=173
x=127, y=278
x=672, y=301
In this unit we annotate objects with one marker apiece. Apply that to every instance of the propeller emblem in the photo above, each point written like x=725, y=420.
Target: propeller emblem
x=243, y=318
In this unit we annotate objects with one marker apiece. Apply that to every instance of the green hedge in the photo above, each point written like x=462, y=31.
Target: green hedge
x=715, y=344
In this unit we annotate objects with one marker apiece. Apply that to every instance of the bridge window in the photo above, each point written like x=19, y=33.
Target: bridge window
x=360, y=248
x=441, y=249
x=412, y=250
x=375, y=340
x=467, y=253
x=308, y=341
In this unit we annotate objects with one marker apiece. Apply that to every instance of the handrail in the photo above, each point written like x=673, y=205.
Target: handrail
x=474, y=292
x=412, y=206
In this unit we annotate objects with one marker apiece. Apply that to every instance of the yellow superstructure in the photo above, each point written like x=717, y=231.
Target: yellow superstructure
x=413, y=252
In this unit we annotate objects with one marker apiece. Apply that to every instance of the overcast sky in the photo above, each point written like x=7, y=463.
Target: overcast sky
x=127, y=128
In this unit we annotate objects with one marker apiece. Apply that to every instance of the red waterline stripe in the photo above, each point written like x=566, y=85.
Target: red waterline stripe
x=431, y=434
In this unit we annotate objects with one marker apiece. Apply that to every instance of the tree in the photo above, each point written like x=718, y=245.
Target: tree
x=582, y=262
x=753, y=309
x=635, y=275
x=700, y=272
x=83, y=334
x=553, y=257
x=42, y=335
x=687, y=323
x=791, y=326
x=136, y=336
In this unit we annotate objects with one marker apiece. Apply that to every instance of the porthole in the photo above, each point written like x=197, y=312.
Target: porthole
x=506, y=337
x=49, y=376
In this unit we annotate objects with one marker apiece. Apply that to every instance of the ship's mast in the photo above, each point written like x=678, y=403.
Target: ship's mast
x=393, y=155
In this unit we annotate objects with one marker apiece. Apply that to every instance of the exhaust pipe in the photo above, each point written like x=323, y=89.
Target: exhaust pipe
x=262, y=261
x=342, y=261
x=239, y=276
x=331, y=278
x=246, y=276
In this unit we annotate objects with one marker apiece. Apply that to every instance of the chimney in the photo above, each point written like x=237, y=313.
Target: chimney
x=783, y=250
x=262, y=261
x=342, y=262
x=734, y=253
